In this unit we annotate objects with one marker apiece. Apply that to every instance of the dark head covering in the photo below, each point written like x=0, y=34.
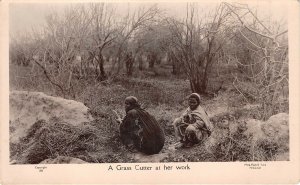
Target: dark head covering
x=196, y=96
x=133, y=101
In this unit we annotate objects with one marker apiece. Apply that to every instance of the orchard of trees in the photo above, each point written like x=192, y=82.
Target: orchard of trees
x=91, y=42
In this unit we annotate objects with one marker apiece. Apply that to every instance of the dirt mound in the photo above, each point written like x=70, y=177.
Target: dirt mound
x=48, y=140
x=28, y=107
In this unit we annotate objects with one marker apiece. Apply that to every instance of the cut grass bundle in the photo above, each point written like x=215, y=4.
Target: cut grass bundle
x=49, y=140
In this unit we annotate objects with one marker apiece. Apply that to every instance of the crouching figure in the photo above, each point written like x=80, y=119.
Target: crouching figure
x=193, y=126
x=139, y=129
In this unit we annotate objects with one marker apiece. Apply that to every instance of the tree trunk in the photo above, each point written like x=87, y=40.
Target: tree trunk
x=129, y=64
x=140, y=59
x=101, y=66
x=141, y=65
x=175, y=67
x=196, y=86
x=151, y=61
x=204, y=79
x=203, y=85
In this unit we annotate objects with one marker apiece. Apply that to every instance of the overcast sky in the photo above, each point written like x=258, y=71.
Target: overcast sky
x=24, y=16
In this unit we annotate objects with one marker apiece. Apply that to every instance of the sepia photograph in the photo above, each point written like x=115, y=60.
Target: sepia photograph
x=129, y=82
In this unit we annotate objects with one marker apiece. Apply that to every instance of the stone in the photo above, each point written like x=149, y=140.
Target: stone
x=273, y=132
x=277, y=126
x=63, y=160
x=28, y=107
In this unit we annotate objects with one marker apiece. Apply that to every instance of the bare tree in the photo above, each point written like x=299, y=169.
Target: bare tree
x=103, y=33
x=61, y=45
x=195, y=44
x=131, y=24
x=22, y=48
x=153, y=43
x=267, y=51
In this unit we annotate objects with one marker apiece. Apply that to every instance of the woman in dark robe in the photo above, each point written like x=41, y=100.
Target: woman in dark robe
x=140, y=129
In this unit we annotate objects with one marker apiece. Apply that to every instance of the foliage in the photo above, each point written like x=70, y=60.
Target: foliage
x=224, y=56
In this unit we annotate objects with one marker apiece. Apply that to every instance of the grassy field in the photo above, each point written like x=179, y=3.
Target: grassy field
x=164, y=96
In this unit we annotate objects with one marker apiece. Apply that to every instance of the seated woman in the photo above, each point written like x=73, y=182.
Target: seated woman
x=193, y=126
x=140, y=129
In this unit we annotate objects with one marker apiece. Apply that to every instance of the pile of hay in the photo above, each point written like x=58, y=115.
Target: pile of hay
x=25, y=108
x=49, y=140
x=43, y=127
